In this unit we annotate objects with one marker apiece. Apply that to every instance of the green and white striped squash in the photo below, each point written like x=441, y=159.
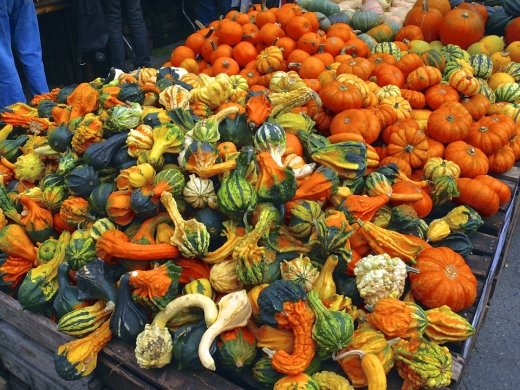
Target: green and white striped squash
x=101, y=226
x=512, y=69
x=482, y=65
x=452, y=52
x=80, y=250
x=387, y=47
x=486, y=90
x=507, y=92
x=82, y=321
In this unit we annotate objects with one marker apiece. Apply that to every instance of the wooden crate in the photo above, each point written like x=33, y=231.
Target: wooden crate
x=28, y=341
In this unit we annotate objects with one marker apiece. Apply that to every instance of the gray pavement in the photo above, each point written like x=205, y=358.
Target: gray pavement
x=494, y=362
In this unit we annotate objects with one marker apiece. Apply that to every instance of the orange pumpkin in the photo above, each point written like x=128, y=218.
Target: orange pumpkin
x=338, y=96
x=461, y=27
x=410, y=145
x=389, y=74
x=363, y=122
x=477, y=105
x=427, y=19
x=423, y=77
x=415, y=98
x=490, y=133
x=444, y=279
x=501, y=188
x=502, y=160
x=358, y=66
x=471, y=160
x=451, y=122
x=439, y=94
x=422, y=207
x=408, y=63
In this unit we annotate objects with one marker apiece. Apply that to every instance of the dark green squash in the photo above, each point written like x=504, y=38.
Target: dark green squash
x=94, y=283
x=458, y=242
x=213, y=220
x=64, y=93
x=129, y=318
x=54, y=195
x=143, y=203
x=131, y=92
x=60, y=139
x=186, y=340
x=312, y=142
x=50, y=179
x=98, y=198
x=122, y=160
x=303, y=217
x=346, y=285
x=348, y=159
x=99, y=155
x=67, y=298
x=236, y=349
x=272, y=298
x=45, y=108
x=236, y=130
x=10, y=148
x=80, y=250
x=8, y=206
x=444, y=190
x=153, y=119
x=183, y=118
x=82, y=180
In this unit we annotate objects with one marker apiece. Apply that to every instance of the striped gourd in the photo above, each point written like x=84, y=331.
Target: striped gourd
x=507, y=92
x=486, y=90
x=270, y=136
x=452, y=52
x=387, y=47
x=482, y=65
x=80, y=250
x=85, y=320
x=512, y=69
x=101, y=226
x=434, y=58
x=458, y=64
x=512, y=110
x=236, y=195
x=303, y=217
x=287, y=101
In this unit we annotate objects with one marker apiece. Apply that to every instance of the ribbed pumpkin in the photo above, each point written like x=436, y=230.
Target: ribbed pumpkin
x=444, y=278
x=461, y=27
x=118, y=207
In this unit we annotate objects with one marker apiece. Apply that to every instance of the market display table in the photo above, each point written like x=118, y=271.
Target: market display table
x=28, y=341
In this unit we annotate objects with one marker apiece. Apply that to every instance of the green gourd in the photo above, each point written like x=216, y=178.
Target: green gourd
x=67, y=298
x=129, y=318
x=10, y=148
x=94, y=283
x=99, y=196
x=272, y=298
x=482, y=65
x=80, y=250
x=40, y=285
x=60, y=139
x=98, y=155
x=457, y=241
x=236, y=195
x=82, y=180
x=236, y=349
x=302, y=218
x=85, y=320
x=186, y=341
x=324, y=6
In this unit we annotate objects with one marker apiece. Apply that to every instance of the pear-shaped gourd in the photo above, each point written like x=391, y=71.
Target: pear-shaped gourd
x=67, y=298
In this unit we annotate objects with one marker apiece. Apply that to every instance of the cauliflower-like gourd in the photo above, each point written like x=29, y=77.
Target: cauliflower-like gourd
x=380, y=276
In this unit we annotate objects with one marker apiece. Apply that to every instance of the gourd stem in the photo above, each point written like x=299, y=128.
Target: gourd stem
x=411, y=269
x=358, y=352
x=426, y=7
x=270, y=353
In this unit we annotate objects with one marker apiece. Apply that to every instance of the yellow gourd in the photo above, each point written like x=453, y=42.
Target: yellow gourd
x=325, y=285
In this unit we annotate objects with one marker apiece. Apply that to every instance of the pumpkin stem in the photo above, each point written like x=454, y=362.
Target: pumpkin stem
x=199, y=24
x=412, y=269
x=270, y=353
x=358, y=352
x=425, y=6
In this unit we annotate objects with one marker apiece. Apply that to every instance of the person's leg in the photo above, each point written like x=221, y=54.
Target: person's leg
x=223, y=7
x=206, y=11
x=116, y=45
x=19, y=33
x=138, y=33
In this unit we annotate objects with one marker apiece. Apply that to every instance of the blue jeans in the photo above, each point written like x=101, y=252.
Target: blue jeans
x=19, y=34
x=134, y=18
x=210, y=10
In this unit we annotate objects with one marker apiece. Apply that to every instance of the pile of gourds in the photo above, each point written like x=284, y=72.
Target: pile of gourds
x=268, y=213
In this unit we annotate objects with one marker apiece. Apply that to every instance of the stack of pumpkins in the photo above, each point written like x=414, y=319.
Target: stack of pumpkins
x=280, y=158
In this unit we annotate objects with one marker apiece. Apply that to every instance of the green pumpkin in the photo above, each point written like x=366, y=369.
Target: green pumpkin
x=458, y=242
x=186, y=340
x=45, y=108
x=272, y=298
x=94, y=282
x=324, y=6
x=60, y=139
x=434, y=58
x=371, y=42
x=100, y=226
x=325, y=23
x=364, y=20
x=387, y=47
x=129, y=318
x=497, y=22
x=236, y=195
x=10, y=148
x=452, y=52
x=143, y=203
x=302, y=218
x=482, y=65
x=382, y=33
x=99, y=196
x=332, y=329
x=82, y=180
x=171, y=180
x=46, y=250
x=213, y=220
x=486, y=90
x=507, y=92
x=185, y=119
x=67, y=298
x=99, y=154
x=80, y=250
x=236, y=349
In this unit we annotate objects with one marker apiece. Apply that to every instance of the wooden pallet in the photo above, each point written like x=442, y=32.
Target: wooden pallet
x=28, y=341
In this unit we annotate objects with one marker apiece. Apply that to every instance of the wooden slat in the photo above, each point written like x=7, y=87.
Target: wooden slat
x=33, y=363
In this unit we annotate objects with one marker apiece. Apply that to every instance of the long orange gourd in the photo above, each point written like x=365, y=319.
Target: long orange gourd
x=114, y=244
x=364, y=207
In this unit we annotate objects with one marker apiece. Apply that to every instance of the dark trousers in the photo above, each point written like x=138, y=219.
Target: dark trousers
x=131, y=10
x=210, y=10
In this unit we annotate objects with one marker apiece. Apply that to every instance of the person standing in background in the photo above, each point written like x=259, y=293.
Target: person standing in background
x=20, y=35
x=133, y=13
x=210, y=10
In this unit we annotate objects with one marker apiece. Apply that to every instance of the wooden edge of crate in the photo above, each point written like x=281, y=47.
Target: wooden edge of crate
x=34, y=364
